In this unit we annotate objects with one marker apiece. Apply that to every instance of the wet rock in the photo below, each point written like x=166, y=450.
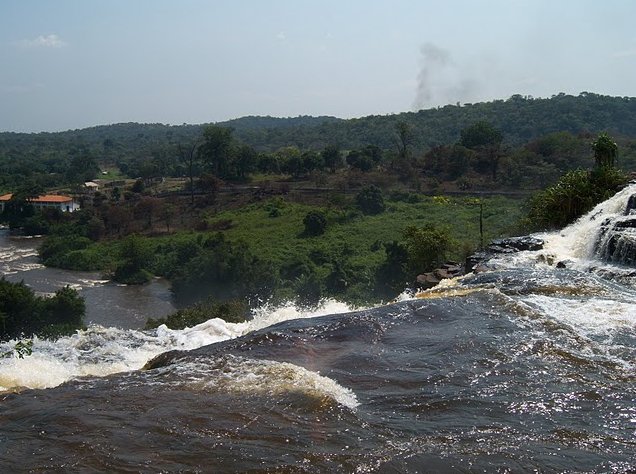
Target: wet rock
x=427, y=280
x=546, y=258
x=515, y=244
x=475, y=259
x=625, y=224
x=631, y=205
x=477, y=262
x=446, y=270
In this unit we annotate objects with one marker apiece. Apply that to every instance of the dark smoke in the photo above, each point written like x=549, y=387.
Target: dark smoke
x=441, y=80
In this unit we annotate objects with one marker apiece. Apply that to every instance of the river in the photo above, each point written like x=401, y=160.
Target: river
x=107, y=303
x=527, y=367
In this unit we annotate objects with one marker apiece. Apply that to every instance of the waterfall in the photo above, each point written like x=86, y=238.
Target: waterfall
x=607, y=232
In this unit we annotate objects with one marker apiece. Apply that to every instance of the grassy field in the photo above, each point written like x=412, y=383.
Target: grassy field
x=345, y=261
x=274, y=229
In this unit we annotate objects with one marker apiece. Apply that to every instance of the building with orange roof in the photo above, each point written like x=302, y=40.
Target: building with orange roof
x=47, y=201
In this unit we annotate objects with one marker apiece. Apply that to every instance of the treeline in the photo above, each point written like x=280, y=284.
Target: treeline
x=539, y=136
x=22, y=313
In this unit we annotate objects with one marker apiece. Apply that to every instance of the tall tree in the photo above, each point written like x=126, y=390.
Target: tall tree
x=216, y=149
x=188, y=155
x=331, y=157
x=486, y=140
x=403, y=138
x=605, y=151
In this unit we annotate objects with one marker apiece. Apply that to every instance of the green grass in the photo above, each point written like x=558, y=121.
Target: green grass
x=342, y=262
x=281, y=238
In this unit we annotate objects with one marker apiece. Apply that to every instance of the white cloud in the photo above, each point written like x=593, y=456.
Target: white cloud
x=43, y=41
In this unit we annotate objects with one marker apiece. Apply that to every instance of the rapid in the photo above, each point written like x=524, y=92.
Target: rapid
x=526, y=367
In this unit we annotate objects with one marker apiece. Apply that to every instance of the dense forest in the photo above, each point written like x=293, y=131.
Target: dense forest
x=540, y=140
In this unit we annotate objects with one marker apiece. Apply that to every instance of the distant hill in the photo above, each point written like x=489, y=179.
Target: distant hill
x=521, y=119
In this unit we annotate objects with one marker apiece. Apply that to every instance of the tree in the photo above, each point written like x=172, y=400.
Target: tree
x=136, y=256
x=188, y=155
x=578, y=191
x=370, y=200
x=427, y=247
x=22, y=313
x=315, y=223
x=216, y=149
x=246, y=161
x=486, y=140
x=403, y=138
x=147, y=208
x=331, y=157
x=605, y=151
x=391, y=275
x=358, y=159
x=82, y=167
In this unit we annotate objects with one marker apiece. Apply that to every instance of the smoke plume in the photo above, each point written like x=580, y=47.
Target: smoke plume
x=441, y=80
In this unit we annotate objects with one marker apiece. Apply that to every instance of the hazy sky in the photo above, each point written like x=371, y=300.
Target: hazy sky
x=68, y=64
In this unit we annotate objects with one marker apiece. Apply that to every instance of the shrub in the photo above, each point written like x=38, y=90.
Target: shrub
x=315, y=223
x=427, y=247
x=24, y=313
x=576, y=193
x=370, y=200
x=231, y=311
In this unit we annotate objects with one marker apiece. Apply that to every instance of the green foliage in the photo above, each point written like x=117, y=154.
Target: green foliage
x=24, y=313
x=216, y=150
x=138, y=187
x=427, y=247
x=23, y=348
x=258, y=256
x=224, y=270
x=315, y=223
x=370, y=200
x=577, y=192
x=136, y=257
x=230, y=311
x=605, y=151
x=392, y=274
x=479, y=135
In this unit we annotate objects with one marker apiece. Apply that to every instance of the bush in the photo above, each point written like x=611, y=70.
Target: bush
x=576, y=193
x=231, y=311
x=136, y=257
x=427, y=247
x=370, y=200
x=22, y=313
x=315, y=223
x=225, y=271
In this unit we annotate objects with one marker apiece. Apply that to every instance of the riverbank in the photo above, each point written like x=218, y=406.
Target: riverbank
x=107, y=303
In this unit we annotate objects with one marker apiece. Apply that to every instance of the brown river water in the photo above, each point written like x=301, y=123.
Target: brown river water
x=524, y=368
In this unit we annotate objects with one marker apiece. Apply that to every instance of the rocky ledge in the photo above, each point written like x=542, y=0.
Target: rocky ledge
x=478, y=262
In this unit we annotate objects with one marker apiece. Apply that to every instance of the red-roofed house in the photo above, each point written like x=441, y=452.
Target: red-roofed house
x=48, y=201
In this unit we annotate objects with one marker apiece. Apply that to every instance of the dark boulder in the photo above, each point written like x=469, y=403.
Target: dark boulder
x=477, y=262
x=431, y=279
x=475, y=259
x=631, y=205
x=515, y=244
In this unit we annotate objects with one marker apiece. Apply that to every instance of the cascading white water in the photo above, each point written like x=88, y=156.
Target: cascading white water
x=100, y=351
x=580, y=240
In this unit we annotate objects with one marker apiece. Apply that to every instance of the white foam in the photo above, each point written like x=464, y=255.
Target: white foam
x=589, y=316
x=100, y=351
x=577, y=240
x=244, y=376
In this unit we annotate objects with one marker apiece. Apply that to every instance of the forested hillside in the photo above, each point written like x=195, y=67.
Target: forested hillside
x=520, y=119
x=540, y=138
